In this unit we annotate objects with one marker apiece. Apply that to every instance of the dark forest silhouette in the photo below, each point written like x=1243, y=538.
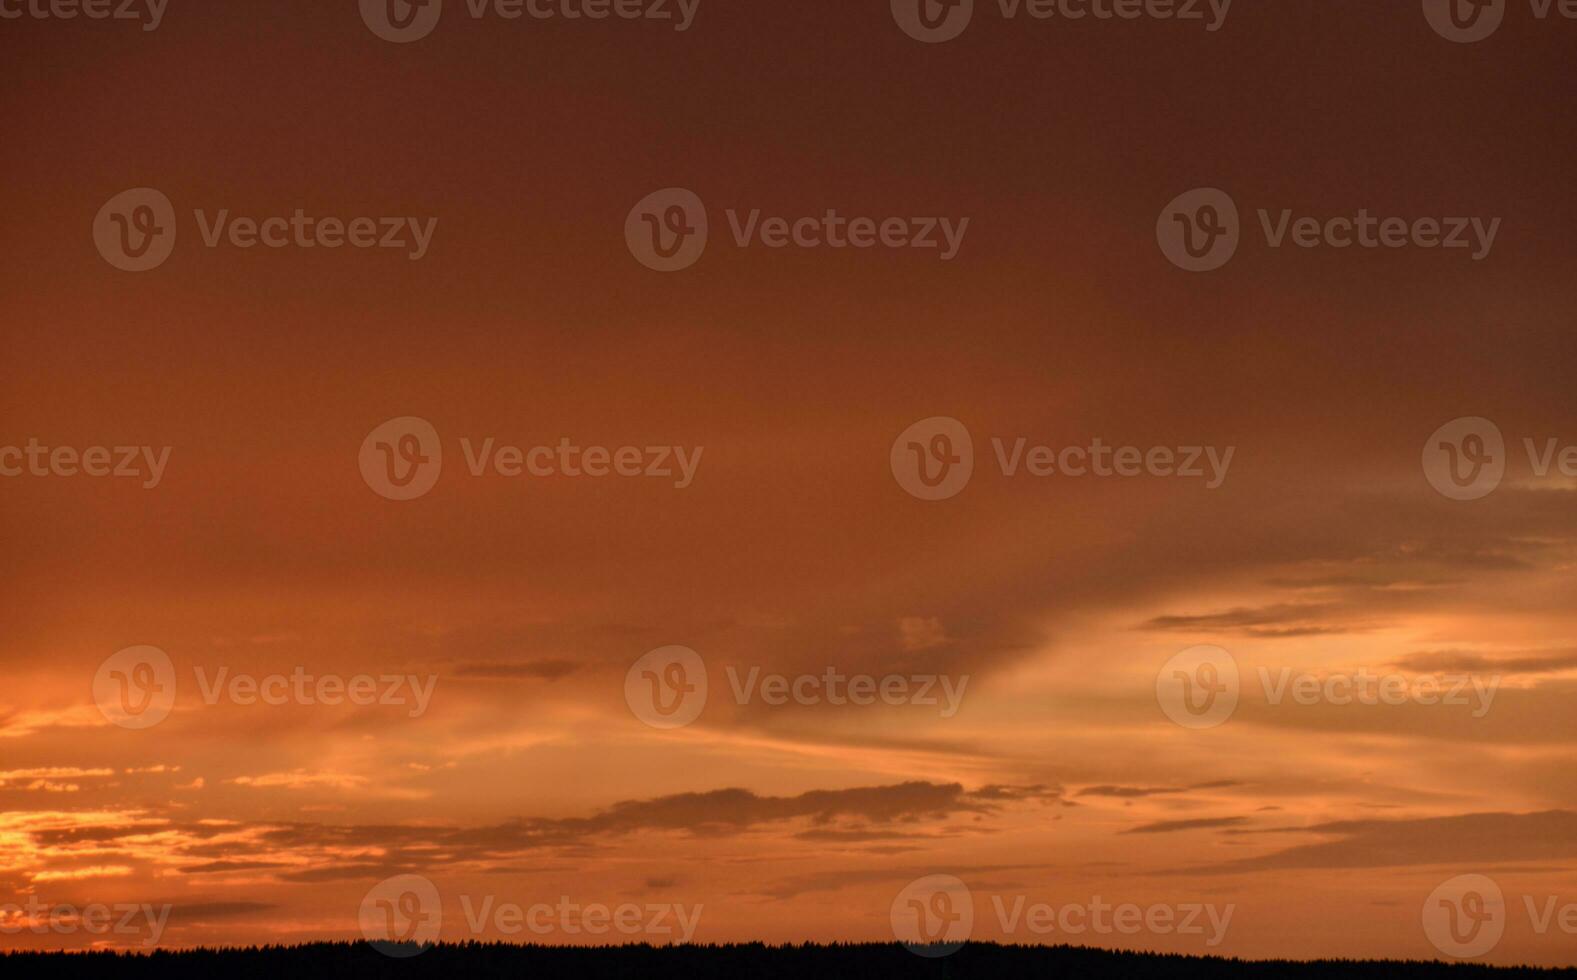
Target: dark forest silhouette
x=752, y=961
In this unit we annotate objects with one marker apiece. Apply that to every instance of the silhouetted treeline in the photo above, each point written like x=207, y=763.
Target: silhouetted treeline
x=753, y=961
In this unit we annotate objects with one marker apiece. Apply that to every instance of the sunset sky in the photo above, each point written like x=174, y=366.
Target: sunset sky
x=526, y=600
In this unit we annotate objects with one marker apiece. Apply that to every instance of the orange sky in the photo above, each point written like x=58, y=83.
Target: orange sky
x=525, y=601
